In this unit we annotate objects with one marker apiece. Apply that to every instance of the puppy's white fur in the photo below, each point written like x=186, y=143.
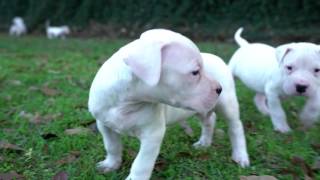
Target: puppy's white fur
x=57, y=31
x=288, y=70
x=130, y=92
x=227, y=104
x=17, y=27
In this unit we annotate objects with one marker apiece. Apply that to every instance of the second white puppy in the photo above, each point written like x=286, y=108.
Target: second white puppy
x=18, y=27
x=227, y=104
x=288, y=70
x=57, y=31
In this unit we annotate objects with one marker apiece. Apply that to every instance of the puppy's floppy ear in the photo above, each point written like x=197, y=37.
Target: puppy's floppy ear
x=282, y=51
x=144, y=59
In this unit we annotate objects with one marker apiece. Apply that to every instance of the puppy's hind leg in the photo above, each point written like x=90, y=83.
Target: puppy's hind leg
x=261, y=103
x=113, y=146
x=230, y=108
x=207, y=127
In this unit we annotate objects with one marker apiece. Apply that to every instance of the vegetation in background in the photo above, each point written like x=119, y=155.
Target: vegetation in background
x=200, y=19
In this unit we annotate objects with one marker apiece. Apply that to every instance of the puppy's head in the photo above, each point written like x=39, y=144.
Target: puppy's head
x=66, y=29
x=17, y=21
x=300, y=66
x=170, y=67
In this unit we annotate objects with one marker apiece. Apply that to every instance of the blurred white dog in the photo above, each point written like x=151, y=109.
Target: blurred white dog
x=289, y=70
x=57, y=31
x=17, y=27
x=130, y=92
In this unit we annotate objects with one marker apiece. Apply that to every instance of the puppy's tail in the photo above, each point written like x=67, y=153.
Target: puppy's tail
x=240, y=41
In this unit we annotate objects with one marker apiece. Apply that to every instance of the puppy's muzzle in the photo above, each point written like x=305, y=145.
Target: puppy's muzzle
x=301, y=88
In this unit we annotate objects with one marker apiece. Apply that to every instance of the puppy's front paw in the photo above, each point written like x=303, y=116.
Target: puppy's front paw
x=106, y=166
x=242, y=159
x=201, y=144
x=283, y=129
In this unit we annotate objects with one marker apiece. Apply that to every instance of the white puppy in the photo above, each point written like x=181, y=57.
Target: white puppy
x=289, y=70
x=227, y=104
x=17, y=27
x=129, y=93
x=57, y=31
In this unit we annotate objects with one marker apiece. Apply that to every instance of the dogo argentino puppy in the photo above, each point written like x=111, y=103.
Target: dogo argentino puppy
x=17, y=27
x=227, y=103
x=288, y=70
x=130, y=91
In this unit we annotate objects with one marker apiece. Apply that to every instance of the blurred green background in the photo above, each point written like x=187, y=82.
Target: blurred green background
x=278, y=20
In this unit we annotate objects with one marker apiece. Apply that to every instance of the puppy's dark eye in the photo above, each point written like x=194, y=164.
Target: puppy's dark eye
x=316, y=70
x=195, y=72
x=289, y=68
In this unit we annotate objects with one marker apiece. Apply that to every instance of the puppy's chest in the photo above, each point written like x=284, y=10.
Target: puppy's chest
x=129, y=119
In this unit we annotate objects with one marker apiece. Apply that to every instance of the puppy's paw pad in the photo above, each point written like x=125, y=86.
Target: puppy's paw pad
x=201, y=144
x=242, y=160
x=105, y=167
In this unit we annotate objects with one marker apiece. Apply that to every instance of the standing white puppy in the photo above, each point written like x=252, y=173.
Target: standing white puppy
x=227, y=104
x=288, y=70
x=57, y=31
x=129, y=93
x=17, y=27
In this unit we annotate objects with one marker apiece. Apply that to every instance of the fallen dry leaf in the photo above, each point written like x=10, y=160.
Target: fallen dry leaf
x=37, y=118
x=253, y=177
x=15, y=82
x=10, y=147
x=10, y=176
x=299, y=161
x=71, y=157
x=49, y=91
x=60, y=176
x=77, y=131
x=316, y=164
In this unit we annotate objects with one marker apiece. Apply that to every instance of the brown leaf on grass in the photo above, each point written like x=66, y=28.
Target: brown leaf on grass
x=10, y=147
x=299, y=161
x=316, y=164
x=15, y=82
x=253, y=177
x=92, y=125
x=10, y=176
x=184, y=154
x=71, y=157
x=315, y=146
x=160, y=165
x=60, y=176
x=49, y=91
x=204, y=156
x=77, y=131
x=37, y=118
x=33, y=88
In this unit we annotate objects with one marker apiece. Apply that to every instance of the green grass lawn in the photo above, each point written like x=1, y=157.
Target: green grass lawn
x=44, y=87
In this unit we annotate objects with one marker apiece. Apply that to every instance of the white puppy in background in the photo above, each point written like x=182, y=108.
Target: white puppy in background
x=17, y=27
x=57, y=31
x=288, y=70
x=129, y=93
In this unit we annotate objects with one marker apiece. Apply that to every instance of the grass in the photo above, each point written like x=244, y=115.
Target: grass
x=44, y=88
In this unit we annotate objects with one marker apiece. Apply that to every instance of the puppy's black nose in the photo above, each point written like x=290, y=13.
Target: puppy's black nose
x=301, y=88
x=219, y=90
